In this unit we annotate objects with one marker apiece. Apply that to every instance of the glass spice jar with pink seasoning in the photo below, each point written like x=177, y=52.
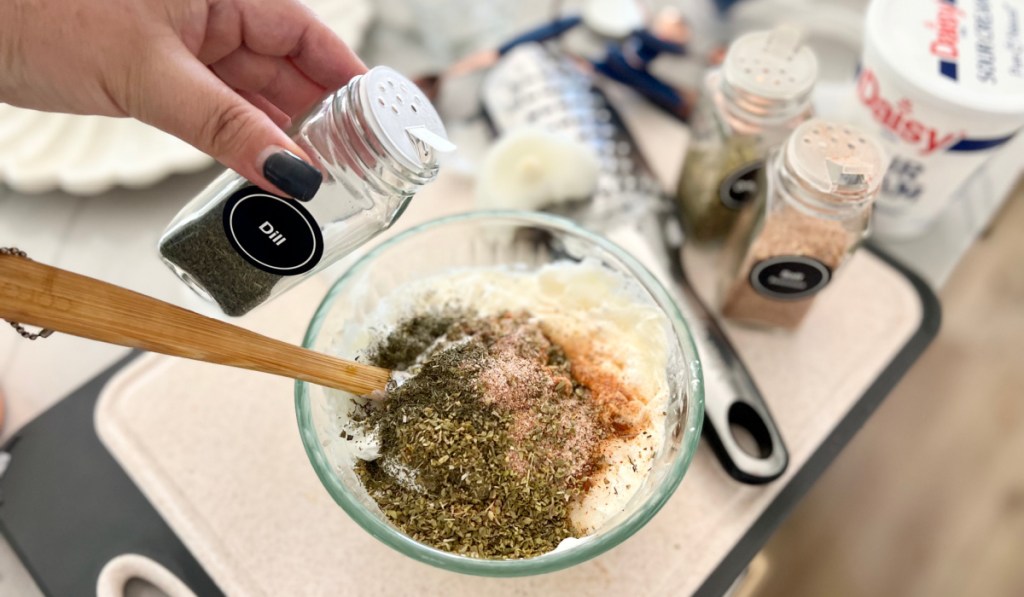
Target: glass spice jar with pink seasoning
x=814, y=213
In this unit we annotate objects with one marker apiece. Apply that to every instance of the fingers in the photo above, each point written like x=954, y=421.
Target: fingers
x=276, y=79
x=280, y=57
x=223, y=32
x=282, y=120
x=324, y=58
x=287, y=28
x=183, y=97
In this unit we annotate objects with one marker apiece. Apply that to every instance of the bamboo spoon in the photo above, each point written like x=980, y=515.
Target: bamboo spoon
x=35, y=294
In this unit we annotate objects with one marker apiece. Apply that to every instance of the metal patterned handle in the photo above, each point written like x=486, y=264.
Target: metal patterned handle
x=24, y=333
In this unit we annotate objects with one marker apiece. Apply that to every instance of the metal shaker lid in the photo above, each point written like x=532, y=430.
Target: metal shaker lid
x=403, y=118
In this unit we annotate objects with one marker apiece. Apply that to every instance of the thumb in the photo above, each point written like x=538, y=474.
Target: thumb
x=187, y=100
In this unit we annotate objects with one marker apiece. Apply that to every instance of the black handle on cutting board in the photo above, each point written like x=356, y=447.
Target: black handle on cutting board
x=732, y=402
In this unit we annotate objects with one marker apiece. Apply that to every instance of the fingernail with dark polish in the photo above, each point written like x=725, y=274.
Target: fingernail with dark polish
x=292, y=175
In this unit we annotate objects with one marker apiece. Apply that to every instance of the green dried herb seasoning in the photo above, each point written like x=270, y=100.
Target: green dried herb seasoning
x=716, y=184
x=400, y=349
x=203, y=252
x=483, y=450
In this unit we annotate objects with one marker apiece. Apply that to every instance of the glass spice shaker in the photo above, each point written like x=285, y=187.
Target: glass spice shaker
x=749, y=105
x=816, y=210
x=376, y=142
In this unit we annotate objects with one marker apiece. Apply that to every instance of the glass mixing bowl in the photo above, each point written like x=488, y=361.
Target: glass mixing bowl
x=525, y=241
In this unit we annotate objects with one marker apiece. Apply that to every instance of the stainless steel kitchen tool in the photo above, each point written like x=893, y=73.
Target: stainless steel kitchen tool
x=534, y=86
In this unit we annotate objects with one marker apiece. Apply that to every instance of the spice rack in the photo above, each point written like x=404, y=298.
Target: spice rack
x=220, y=459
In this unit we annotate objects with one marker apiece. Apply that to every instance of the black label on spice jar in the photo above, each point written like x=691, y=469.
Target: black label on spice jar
x=741, y=185
x=275, y=234
x=789, y=277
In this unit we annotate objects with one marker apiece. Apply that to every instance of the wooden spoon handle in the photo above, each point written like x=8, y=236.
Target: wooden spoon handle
x=35, y=294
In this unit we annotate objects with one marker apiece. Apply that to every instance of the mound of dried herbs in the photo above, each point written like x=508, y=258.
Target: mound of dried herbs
x=485, y=448
x=202, y=250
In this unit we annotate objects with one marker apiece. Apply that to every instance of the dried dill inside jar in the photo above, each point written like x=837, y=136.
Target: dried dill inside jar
x=761, y=93
x=375, y=140
x=821, y=186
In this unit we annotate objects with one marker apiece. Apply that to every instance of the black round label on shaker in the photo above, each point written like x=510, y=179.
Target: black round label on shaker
x=789, y=277
x=740, y=186
x=275, y=234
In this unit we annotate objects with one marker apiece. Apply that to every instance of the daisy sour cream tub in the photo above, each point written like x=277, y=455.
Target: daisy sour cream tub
x=942, y=85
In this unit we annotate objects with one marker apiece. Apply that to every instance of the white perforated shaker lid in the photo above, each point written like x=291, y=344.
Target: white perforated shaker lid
x=403, y=118
x=771, y=64
x=836, y=159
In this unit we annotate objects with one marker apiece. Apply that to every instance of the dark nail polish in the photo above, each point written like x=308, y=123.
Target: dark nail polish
x=292, y=175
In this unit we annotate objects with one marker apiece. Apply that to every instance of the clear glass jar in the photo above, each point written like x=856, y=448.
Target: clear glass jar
x=751, y=104
x=488, y=240
x=376, y=142
x=816, y=210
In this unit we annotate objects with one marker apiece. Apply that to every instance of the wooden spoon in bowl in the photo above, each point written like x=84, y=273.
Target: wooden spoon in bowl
x=39, y=295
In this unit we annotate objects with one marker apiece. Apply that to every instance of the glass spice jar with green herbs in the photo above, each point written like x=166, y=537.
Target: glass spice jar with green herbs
x=375, y=141
x=749, y=105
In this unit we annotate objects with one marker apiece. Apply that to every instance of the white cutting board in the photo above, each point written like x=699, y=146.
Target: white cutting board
x=217, y=451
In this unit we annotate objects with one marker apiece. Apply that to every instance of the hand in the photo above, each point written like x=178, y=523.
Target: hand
x=224, y=75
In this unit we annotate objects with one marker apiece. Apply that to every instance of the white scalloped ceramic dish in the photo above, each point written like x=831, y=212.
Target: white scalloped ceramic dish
x=87, y=155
